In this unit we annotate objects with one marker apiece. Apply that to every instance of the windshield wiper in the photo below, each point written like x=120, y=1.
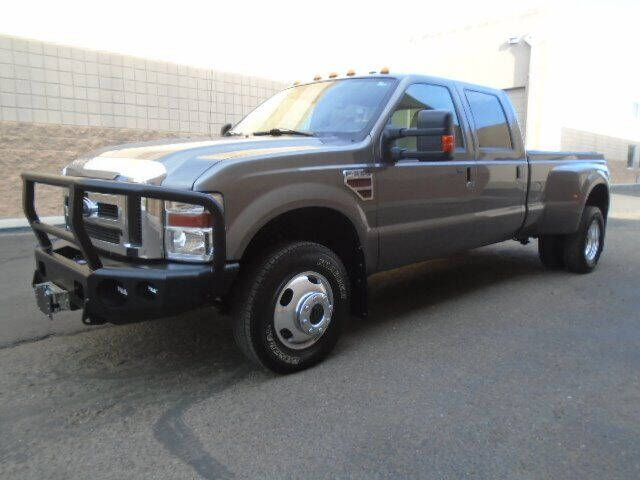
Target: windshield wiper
x=276, y=132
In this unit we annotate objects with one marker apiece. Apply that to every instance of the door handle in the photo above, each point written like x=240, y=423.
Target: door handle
x=469, y=179
x=518, y=172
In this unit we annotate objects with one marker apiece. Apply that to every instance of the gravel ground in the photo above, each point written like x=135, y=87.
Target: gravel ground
x=480, y=366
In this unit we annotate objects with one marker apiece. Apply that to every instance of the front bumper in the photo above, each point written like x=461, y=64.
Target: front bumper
x=123, y=290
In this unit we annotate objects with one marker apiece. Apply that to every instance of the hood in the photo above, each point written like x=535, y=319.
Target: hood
x=180, y=162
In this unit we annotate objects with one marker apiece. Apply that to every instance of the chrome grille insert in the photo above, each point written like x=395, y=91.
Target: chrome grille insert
x=123, y=225
x=106, y=234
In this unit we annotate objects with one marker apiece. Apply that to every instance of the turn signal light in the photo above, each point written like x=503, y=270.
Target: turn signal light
x=448, y=143
x=191, y=220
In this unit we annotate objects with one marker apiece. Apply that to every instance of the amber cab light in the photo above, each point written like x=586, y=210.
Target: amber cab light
x=448, y=143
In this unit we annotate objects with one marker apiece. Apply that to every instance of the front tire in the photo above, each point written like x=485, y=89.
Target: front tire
x=582, y=249
x=290, y=306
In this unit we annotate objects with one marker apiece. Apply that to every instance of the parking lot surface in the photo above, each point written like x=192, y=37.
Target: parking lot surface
x=480, y=366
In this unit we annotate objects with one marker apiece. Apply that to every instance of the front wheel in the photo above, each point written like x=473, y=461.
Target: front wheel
x=290, y=305
x=582, y=249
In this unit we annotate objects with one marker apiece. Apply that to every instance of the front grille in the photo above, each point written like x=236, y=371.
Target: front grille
x=106, y=234
x=107, y=210
x=119, y=225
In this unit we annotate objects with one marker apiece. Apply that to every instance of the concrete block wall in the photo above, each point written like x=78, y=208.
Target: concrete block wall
x=43, y=82
x=58, y=103
x=615, y=150
x=47, y=148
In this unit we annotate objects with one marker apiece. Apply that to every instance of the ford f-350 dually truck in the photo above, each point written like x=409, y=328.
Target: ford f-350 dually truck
x=283, y=218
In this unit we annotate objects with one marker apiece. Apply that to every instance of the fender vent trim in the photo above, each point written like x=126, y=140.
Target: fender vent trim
x=360, y=182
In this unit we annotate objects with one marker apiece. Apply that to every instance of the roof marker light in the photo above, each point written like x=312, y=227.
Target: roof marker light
x=333, y=75
x=316, y=78
x=351, y=73
x=384, y=70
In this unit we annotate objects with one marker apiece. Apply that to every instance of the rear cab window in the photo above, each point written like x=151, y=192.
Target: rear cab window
x=492, y=127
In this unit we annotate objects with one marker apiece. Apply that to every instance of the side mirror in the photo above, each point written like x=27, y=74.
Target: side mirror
x=435, y=137
x=225, y=129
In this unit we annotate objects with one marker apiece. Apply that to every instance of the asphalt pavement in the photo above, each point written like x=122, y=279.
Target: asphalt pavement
x=480, y=366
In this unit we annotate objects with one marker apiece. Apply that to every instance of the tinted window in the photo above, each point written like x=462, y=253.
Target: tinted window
x=423, y=97
x=491, y=122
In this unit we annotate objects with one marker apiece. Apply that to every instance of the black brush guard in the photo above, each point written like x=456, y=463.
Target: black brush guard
x=122, y=290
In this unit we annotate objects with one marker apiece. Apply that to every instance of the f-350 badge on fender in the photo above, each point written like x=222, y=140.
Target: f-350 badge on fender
x=360, y=182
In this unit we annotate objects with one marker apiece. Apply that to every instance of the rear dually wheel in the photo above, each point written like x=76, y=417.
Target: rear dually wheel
x=583, y=248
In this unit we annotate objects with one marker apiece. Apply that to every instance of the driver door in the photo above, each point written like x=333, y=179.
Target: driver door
x=426, y=208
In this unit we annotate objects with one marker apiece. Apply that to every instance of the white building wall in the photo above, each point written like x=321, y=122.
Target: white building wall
x=575, y=76
x=508, y=54
x=479, y=53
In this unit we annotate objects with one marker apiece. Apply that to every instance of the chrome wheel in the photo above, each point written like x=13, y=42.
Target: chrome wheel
x=592, y=242
x=303, y=309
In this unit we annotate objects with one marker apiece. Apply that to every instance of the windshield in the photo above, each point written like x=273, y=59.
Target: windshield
x=341, y=107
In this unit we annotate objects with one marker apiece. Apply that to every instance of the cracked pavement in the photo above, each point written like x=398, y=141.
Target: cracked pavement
x=480, y=366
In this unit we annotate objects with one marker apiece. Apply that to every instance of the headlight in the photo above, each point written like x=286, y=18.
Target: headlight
x=188, y=232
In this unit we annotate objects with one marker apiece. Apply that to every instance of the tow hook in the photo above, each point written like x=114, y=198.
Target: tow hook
x=51, y=298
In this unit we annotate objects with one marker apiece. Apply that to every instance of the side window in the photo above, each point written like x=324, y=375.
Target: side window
x=490, y=119
x=423, y=97
x=632, y=156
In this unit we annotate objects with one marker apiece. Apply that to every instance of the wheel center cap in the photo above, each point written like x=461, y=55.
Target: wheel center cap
x=313, y=313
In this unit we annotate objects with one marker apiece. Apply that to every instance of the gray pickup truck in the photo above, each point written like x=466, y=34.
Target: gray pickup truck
x=282, y=219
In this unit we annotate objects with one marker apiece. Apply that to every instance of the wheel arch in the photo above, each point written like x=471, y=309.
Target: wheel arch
x=324, y=222
x=568, y=190
x=598, y=196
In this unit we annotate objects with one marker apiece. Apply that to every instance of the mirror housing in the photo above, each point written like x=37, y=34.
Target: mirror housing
x=435, y=137
x=224, y=131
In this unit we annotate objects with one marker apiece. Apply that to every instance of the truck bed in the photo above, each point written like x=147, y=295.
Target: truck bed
x=542, y=155
x=558, y=185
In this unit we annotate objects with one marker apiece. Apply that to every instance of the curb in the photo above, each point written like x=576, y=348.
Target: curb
x=18, y=224
x=625, y=187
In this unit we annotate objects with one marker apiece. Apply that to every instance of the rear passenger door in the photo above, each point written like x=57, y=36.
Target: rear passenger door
x=501, y=182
